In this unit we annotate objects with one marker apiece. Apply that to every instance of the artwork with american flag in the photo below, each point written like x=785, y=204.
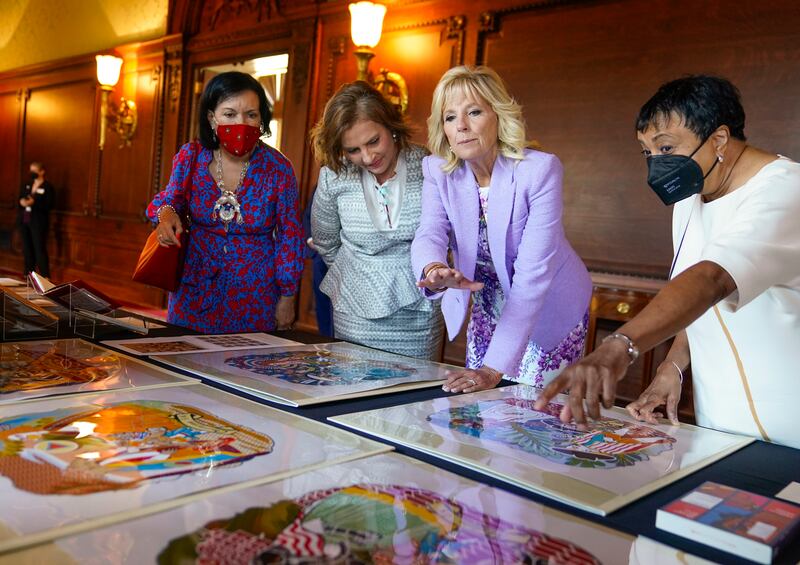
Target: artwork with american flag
x=382, y=509
x=499, y=433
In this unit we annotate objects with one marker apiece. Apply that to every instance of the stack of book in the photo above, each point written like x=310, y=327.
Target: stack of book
x=752, y=526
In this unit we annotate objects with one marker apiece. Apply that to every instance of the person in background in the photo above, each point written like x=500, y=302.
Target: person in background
x=733, y=298
x=366, y=209
x=36, y=199
x=496, y=205
x=323, y=308
x=245, y=254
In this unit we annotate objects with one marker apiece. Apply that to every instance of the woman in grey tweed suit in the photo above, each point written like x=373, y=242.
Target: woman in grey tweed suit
x=366, y=209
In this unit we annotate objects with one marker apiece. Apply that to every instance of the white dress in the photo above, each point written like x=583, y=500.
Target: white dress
x=746, y=351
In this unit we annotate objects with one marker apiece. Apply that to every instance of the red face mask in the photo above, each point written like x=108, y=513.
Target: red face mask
x=238, y=139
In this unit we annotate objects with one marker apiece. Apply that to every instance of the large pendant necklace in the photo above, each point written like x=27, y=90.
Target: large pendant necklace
x=227, y=207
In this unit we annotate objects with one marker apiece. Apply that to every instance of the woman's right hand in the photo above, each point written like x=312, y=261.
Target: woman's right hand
x=169, y=228
x=439, y=276
x=665, y=389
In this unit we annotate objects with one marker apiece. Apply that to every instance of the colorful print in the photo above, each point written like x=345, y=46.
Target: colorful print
x=23, y=368
x=369, y=523
x=320, y=367
x=513, y=422
x=115, y=446
x=163, y=347
x=231, y=340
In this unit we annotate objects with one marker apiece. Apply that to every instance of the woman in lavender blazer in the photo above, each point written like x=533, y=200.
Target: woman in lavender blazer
x=497, y=207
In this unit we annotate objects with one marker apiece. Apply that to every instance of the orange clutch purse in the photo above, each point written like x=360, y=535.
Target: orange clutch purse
x=161, y=266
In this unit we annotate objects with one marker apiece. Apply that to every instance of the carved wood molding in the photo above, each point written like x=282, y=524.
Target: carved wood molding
x=300, y=66
x=336, y=49
x=490, y=21
x=233, y=9
x=238, y=37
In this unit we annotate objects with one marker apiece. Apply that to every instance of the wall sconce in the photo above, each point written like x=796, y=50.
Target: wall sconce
x=122, y=118
x=366, y=24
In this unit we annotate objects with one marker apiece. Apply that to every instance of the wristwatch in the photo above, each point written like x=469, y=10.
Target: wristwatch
x=633, y=351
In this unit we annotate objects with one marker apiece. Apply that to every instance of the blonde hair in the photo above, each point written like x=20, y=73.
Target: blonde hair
x=354, y=101
x=480, y=83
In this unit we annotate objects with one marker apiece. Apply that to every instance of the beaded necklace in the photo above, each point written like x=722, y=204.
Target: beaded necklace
x=227, y=207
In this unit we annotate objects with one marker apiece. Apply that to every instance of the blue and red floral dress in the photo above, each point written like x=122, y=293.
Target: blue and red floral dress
x=232, y=279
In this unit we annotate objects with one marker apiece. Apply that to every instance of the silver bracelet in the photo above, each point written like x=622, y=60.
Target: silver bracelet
x=680, y=373
x=161, y=208
x=632, y=350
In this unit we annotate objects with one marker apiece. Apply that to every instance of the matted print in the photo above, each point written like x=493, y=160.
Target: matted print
x=383, y=509
x=499, y=433
x=312, y=374
x=190, y=343
x=74, y=462
x=37, y=369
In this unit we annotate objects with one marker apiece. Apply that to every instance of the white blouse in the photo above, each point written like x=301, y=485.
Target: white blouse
x=384, y=201
x=746, y=351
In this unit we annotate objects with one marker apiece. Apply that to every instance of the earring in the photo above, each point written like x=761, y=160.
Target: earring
x=262, y=128
x=451, y=149
x=394, y=136
x=719, y=158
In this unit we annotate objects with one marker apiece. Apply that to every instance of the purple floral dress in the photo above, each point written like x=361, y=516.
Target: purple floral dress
x=537, y=367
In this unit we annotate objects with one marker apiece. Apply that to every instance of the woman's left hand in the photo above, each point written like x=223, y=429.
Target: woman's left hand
x=284, y=313
x=472, y=380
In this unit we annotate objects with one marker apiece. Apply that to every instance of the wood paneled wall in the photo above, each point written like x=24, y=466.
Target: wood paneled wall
x=580, y=68
x=50, y=113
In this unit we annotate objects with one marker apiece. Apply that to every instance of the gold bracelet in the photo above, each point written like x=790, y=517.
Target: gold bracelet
x=161, y=208
x=432, y=266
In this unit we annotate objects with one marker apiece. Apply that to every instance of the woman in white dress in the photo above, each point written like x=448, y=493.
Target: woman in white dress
x=733, y=301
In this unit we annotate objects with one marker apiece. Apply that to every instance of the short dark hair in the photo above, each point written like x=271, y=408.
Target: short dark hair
x=354, y=101
x=703, y=102
x=222, y=87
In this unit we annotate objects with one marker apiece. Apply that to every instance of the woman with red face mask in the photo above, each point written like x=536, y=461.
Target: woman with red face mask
x=245, y=254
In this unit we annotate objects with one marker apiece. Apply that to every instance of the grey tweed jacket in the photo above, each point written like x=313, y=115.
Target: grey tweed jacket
x=369, y=272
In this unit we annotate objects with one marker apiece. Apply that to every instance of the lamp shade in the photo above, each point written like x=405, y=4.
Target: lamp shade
x=108, y=68
x=366, y=22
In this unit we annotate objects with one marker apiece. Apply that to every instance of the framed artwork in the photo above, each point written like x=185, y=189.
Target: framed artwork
x=34, y=370
x=383, y=509
x=499, y=433
x=312, y=374
x=74, y=463
x=196, y=343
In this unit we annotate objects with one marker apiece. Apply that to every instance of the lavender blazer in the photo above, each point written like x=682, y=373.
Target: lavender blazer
x=546, y=285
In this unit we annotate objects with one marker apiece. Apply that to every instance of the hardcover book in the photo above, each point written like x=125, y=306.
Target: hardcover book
x=750, y=525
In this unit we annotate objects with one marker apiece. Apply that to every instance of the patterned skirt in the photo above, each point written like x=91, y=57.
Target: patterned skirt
x=537, y=367
x=408, y=332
